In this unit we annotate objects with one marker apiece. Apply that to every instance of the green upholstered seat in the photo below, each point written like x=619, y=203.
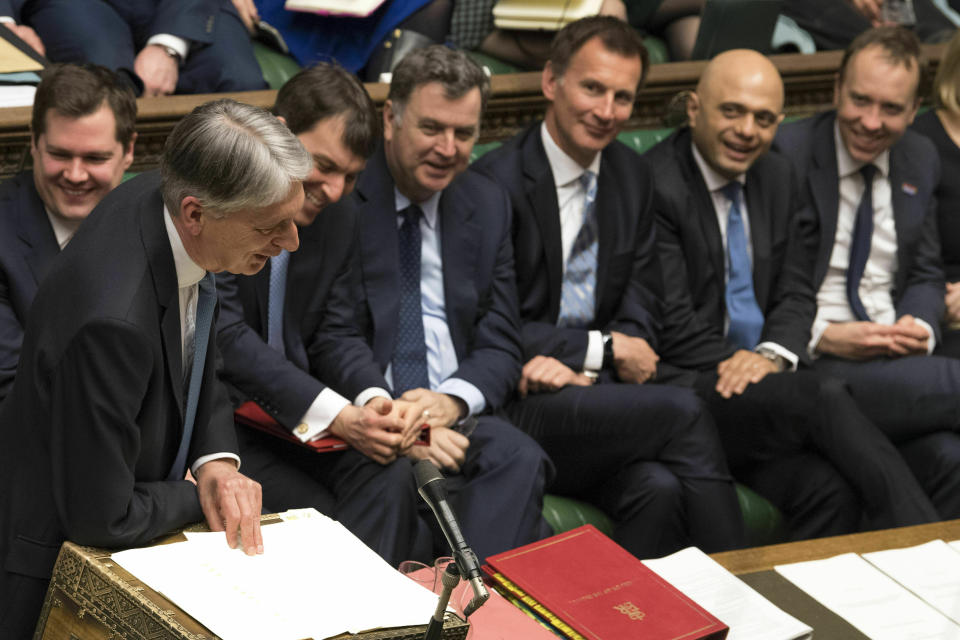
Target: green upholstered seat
x=276, y=67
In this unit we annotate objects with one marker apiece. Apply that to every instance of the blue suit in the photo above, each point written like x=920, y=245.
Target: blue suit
x=912, y=396
x=378, y=503
x=498, y=494
x=111, y=33
x=27, y=247
x=648, y=454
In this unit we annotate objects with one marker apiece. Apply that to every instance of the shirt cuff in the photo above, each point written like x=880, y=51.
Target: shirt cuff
x=8, y=19
x=816, y=332
x=367, y=395
x=324, y=409
x=176, y=43
x=202, y=460
x=932, y=340
x=786, y=354
x=594, y=358
x=467, y=392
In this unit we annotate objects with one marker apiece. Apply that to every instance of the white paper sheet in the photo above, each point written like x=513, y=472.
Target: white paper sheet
x=314, y=580
x=869, y=599
x=931, y=571
x=749, y=615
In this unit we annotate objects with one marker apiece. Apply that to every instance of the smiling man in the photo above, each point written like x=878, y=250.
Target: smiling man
x=82, y=142
x=869, y=183
x=117, y=393
x=589, y=285
x=437, y=299
x=737, y=261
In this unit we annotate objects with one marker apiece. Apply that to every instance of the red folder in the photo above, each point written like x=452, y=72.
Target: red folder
x=250, y=414
x=603, y=592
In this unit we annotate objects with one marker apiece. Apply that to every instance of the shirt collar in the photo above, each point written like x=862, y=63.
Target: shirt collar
x=63, y=229
x=428, y=207
x=565, y=169
x=189, y=272
x=714, y=180
x=846, y=165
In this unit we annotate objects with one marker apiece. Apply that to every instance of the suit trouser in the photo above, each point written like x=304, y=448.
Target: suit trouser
x=647, y=455
x=21, y=598
x=915, y=401
x=111, y=35
x=801, y=440
x=377, y=503
x=498, y=493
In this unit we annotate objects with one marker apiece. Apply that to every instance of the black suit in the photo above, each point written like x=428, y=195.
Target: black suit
x=378, y=503
x=906, y=397
x=783, y=416
x=27, y=247
x=96, y=414
x=647, y=454
x=498, y=494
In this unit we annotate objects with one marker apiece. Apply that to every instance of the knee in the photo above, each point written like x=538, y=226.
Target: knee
x=651, y=486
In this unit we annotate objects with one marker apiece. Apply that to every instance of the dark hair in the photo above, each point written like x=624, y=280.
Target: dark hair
x=900, y=46
x=326, y=90
x=451, y=68
x=77, y=90
x=617, y=36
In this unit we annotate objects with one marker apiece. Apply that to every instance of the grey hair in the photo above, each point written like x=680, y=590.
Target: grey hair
x=231, y=156
x=453, y=69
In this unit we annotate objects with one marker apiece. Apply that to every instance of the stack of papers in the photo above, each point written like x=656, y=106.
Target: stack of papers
x=315, y=580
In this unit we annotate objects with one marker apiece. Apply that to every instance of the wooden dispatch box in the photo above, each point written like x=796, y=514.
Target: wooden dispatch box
x=92, y=598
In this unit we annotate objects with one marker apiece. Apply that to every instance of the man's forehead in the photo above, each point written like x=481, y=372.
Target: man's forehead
x=879, y=67
x=430, y=102
x=326, y=142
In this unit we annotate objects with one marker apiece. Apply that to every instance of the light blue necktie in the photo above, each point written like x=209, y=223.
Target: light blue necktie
x=206, y=300
x=578, y=291
x=278, y=288
x=860, y=243
x=410, y=349
x=746, y=319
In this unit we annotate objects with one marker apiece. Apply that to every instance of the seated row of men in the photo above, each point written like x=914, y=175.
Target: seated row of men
x=565, y=315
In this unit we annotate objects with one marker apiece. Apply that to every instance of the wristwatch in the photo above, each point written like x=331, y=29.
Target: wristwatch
x=173, y=53
x=607, y=340
x=778, y=360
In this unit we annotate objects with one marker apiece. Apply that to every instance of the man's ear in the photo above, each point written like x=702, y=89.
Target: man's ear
x=692, y=108
x=283, y=120
x=191, y=215
x=388, y=123
x=548, y=82
x=128, y=152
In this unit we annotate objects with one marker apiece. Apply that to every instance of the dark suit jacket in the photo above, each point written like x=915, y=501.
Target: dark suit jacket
x=90, y=431
x=914, y=166
x=320, y=333
x=693, y=259
x=27, y=247
x=478, y=279
x=628, y=279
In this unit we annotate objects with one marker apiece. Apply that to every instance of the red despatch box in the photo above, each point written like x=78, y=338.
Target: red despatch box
x=602, y=591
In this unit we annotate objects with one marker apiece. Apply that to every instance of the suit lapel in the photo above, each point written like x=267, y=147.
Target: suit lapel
x=35, y=231
x=609, y=208
x=902, y=172
x=380, y=254
x=759, y=234
x=459, y=247
x=824, y=186
x=542, y=198
x=701, y=204
x=153, y=233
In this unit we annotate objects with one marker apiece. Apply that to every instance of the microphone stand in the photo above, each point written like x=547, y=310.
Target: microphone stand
x=451, y=578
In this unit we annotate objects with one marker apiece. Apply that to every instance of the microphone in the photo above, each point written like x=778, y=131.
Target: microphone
x=431, y=487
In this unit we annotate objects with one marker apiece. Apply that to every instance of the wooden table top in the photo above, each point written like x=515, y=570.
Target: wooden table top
x=764, y=558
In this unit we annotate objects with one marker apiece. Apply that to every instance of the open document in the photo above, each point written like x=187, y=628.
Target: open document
x=869, y=599
x=314, y=580
x=749, y=615
x=931, y=571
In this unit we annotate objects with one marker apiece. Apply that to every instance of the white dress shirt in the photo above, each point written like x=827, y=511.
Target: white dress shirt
x=189, y=274
x=877, y=282
x=570, y=197
x=721, y=207
x=63, y=228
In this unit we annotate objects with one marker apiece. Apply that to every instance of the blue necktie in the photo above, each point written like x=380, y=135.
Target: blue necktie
x=746, y=319
x=278, y=287
x=860, y=243
x=578, y=291
x=410, y=350
x=206, y=300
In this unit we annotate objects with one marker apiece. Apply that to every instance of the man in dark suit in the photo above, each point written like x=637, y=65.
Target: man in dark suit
x=588, y=280
x=879, y=284
x=116, y=396
x=269, y=330
x=439, y=307
x=162, y=46
x=737, y=263
x=82, y=142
